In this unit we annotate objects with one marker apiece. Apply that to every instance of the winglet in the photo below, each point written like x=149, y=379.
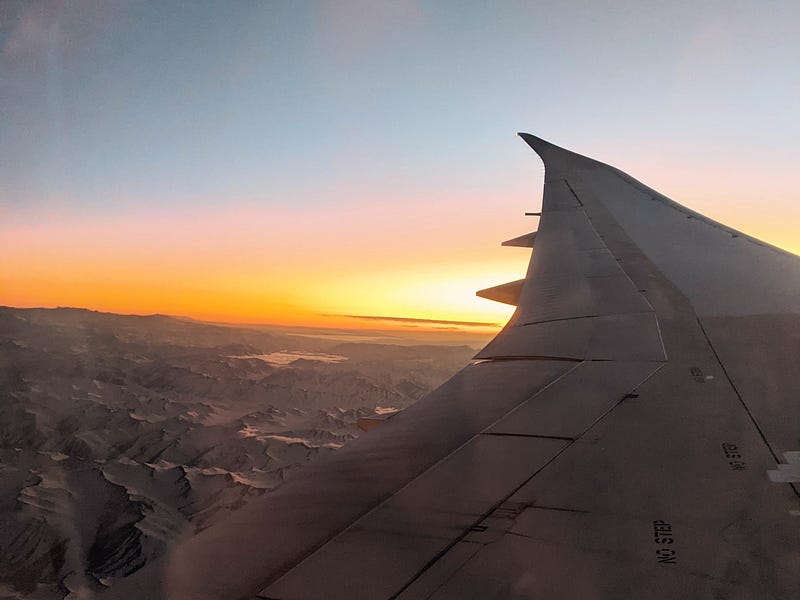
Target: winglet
x=507, y=293
x=538, y=144
x=556, y=160
x=523, y=241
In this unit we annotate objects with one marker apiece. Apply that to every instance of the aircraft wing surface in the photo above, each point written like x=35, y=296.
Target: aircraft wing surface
x=633, y=432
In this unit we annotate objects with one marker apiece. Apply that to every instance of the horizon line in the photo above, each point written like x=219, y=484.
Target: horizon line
x=179, y=317
x=416, y=320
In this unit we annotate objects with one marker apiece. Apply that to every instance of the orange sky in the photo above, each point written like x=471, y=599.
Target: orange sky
x=268, y=266
x=398, y=257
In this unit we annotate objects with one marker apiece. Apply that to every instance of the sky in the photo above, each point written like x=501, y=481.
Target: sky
x=298, y=162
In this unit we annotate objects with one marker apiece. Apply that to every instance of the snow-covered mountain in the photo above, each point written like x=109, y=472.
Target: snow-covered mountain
x=121, y=434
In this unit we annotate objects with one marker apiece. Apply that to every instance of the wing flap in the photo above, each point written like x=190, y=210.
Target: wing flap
x=572, y=404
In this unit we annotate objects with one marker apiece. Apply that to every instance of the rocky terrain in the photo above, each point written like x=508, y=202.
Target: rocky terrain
x=120, y=435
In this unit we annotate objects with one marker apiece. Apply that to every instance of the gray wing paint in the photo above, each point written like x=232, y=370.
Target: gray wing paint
x=631, y=433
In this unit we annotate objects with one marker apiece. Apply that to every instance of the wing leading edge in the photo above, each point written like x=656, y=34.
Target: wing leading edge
x=614, y=441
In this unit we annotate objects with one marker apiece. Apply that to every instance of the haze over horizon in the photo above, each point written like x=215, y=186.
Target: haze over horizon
x=294, y=164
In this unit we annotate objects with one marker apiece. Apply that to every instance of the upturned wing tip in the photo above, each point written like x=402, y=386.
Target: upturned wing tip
x=533, y=141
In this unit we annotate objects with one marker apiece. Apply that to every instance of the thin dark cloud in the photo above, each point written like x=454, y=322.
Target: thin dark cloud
x=416, y=320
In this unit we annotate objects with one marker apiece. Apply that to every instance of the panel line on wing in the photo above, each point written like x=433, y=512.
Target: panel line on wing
x=532, y=435
x=638, y=312
x=744, y=404
x=573, y=192
x=605, y=245
x=525, y=357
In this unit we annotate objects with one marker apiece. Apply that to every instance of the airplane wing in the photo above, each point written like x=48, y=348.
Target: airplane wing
x=633, y=432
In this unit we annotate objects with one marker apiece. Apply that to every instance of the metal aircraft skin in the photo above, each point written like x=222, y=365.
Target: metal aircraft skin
x=633, y=432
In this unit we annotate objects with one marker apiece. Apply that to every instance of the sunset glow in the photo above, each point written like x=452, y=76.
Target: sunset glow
x=221, y=266
x=307, y=165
